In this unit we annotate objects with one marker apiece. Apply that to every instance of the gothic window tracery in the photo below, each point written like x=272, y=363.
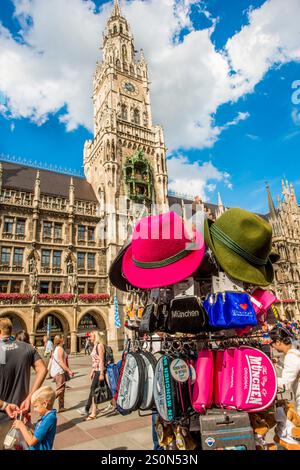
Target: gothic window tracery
x=124, y=53
x=136, y=117
x=124, y=112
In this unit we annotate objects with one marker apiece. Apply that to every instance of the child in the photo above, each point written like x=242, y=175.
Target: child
x=45, y=429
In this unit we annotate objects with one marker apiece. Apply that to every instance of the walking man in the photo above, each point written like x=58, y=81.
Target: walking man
x=16, y=360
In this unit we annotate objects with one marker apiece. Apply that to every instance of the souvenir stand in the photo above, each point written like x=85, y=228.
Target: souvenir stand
x=195, y=306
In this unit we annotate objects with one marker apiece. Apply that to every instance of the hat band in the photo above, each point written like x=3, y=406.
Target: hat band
x=219, y=235
x=164, y=262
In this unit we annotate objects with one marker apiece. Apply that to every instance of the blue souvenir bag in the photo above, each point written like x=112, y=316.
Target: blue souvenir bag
x=113, y=377
x=230, y=310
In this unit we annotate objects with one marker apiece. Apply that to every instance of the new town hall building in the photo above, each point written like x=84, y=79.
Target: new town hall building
x=59, y=234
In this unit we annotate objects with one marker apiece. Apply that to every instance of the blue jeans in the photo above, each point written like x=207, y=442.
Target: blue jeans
x=156, y=446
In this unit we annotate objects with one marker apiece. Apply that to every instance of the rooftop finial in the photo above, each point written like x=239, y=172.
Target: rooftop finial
x=270, y=201
x=220, y=203
x=116, y=10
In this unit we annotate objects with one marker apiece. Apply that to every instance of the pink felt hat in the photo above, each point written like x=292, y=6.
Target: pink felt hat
x=162, y=252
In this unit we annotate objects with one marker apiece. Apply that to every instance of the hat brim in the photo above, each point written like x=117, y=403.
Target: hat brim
x=236, y=266
x=115, y=273
x=167, y=275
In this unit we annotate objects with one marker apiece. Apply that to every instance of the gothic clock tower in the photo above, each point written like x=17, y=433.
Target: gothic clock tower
x=126, y=161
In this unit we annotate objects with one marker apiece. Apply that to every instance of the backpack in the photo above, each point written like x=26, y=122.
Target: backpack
x=109, y=356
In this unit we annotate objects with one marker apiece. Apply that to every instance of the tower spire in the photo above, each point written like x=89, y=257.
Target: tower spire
x=116, y=10
x=272, y=209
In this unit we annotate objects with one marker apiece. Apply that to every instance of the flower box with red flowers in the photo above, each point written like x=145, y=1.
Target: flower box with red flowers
x=14, y=298
x=57, y=298
x=93, y=298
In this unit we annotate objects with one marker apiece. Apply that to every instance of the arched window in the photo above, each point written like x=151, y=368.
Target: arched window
x=124, y=112
x=115, y=29
x=132, y=69
x=121, y=29
x=136, y=117
x=118, y=64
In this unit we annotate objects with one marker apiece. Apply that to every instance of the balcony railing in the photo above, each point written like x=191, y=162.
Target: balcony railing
x=17, y=269
x=7, y=235
x=5, y=267
x=20, y=236
x=45, y=269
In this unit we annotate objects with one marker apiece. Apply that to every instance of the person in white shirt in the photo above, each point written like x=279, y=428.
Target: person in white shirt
x=282, y=341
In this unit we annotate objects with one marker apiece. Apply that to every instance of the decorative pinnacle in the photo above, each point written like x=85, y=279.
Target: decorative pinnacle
x=270, y=201
x=116, y=11
x=220, y=203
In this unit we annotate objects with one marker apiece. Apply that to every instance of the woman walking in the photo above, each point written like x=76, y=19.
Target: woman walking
x=97, y=373
x=60, y=371
x=290, y=379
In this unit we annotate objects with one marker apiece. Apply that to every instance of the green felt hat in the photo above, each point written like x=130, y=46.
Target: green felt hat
x=241, y=242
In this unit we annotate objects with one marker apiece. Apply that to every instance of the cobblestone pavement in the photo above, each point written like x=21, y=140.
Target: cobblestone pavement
x=105, y=432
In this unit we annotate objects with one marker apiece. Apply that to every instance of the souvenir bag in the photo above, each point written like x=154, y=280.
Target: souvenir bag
x=165, y=390
x=150, y=364
x=256, y=381
x=214, y=308
x=262, y=300
x=130, y=393
x=218, y=383
x=230, y=310
x=102, y=392
x=186, y=315
x=162, y=315
x=148, y=322
x=203, y=386
x=226, y=378
x=113, y=376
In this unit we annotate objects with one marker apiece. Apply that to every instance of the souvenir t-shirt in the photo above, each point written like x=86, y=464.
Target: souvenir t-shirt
x=19, y=357
x=45, y=430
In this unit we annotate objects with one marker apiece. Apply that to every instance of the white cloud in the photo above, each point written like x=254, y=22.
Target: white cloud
x=52, y=66
x=252, y=137
x=194, y=177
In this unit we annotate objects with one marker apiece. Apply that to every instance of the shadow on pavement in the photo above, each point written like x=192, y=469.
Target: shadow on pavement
x=68, y=425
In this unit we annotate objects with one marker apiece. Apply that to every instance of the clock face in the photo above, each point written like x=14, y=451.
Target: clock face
x=130, y=88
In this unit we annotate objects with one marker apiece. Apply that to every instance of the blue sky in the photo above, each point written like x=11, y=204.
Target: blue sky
x=248, y=138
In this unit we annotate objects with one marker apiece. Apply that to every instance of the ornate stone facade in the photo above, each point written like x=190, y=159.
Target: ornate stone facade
x=285, y=221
